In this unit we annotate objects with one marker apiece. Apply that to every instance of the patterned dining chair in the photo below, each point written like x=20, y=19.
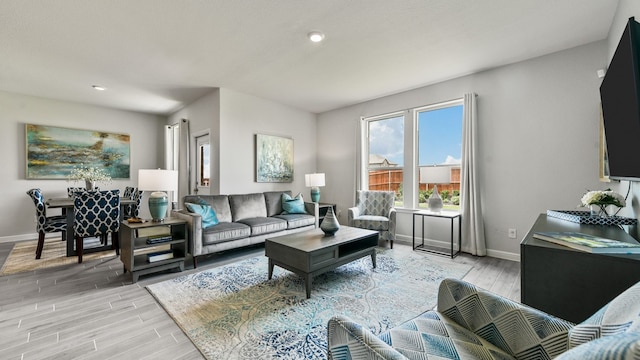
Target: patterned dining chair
x=128, y=192
x=97, y=213
x=132, y=211
x=46, y=224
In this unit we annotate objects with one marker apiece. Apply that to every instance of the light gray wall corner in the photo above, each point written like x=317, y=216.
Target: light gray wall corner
x=17, y=110
x=538, y=139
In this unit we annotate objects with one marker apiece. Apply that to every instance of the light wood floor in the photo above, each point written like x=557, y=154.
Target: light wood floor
x=93, y=311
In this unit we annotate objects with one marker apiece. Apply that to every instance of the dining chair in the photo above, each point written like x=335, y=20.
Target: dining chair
x=128, y=192
x=97, y=214
x=132, y=211
x=45, y=224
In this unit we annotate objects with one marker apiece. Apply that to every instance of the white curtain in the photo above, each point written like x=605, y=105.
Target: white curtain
x=177, y=157
x=473, y=240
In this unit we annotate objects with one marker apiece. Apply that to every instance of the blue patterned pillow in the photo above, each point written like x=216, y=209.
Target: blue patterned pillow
x=209, y=217
x=292, y=205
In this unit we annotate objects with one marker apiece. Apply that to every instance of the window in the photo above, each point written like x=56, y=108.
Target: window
x=385, y=151
x=433, y=146
x=439, y=153
x=202, y=160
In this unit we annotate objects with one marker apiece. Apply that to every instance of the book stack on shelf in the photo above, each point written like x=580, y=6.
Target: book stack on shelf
x=160, y=255
x=589, y=243
x=158, y=239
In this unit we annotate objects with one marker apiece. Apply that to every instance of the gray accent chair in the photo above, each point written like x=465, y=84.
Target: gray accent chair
x=471, y=323
x=375, y=210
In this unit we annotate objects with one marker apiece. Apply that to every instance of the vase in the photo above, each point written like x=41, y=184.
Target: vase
x=330, y=224
x=435, y=201
x=598, y=210
x=90, y=185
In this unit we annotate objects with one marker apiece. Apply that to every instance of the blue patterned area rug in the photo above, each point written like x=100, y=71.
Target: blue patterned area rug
x=234, y=312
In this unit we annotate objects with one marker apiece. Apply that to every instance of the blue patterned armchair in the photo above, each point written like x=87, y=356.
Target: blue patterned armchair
x=471, y=323
x=375, y=210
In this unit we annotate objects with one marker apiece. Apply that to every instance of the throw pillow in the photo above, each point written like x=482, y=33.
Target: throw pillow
x=209, y=217
x=293, y=205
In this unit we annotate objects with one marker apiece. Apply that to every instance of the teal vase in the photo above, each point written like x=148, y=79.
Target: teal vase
x=330, y=224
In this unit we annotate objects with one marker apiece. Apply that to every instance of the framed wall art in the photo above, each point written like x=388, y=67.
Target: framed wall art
x=52, y=152
x=274, y=159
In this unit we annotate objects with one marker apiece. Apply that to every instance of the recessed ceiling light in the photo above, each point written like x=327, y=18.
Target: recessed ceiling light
x=315, y=36
x=98, y=87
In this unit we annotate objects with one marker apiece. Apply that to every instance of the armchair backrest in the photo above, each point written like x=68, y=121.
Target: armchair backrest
x=96, y=213
x=378, y=203
x=41, y=209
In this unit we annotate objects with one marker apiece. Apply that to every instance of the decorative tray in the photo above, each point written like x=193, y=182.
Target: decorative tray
x=585, y=217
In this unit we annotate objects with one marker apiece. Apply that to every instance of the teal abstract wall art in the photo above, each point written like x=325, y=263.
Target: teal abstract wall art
x=52, y=152
x=274, y=159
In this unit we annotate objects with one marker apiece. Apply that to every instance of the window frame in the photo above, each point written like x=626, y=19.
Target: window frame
x=410, y=167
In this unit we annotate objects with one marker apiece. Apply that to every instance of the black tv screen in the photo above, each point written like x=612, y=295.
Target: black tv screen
x=619, y=94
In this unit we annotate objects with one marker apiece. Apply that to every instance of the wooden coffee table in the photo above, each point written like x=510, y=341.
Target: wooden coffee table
x=312, y=253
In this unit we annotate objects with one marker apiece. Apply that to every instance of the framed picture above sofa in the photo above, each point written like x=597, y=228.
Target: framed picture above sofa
x=274, y=158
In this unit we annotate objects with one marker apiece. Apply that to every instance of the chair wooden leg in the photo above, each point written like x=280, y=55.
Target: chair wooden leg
x=40, y=244
x=79, y=248
x=115, y=242
x=391, y=241
x=195, y=262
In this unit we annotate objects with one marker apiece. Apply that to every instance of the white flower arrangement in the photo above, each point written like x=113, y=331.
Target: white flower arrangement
x=92, y=174
x=602, y=199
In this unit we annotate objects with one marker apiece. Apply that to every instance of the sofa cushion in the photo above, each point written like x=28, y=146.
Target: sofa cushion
x=293, y=205
x=434, y=335
x=209, y=217
x=247, y=206
x=219, y=204
x=264, y=225
x=295, y=221
x=274, y=201
x=224, y=231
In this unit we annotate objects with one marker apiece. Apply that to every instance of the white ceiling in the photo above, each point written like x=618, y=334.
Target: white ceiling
x=157, y=55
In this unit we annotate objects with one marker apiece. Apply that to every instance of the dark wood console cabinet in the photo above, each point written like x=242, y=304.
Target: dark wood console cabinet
x=568, y=283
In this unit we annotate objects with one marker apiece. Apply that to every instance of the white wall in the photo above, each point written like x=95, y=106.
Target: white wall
x=243, y=116
x=204, y=115
x=17, y=213
x=538, y=139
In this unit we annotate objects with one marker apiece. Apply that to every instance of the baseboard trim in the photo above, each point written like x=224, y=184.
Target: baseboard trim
x=408, y=240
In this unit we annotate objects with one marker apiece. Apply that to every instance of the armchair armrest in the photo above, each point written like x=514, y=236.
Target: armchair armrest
x=194, y=229
x=511, y=326
x=346, y=337
x=313, y=209
x=392, y=222
x=352, y=213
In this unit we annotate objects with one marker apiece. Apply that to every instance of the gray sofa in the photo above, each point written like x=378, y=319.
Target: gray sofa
x=244, y=219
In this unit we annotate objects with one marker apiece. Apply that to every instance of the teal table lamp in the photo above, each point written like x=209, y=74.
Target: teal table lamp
x=158, y=181
x=314, y=181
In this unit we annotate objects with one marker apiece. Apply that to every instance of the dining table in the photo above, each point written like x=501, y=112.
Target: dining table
x=67, y=206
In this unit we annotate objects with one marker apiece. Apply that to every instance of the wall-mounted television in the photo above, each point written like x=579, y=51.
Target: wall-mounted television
x=620, y=96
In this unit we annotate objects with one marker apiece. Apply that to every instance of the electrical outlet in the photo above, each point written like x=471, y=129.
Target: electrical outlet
x=513, y=234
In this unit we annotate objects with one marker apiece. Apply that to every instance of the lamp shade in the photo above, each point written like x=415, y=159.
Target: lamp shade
x=314, y=180
x=158, y=181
